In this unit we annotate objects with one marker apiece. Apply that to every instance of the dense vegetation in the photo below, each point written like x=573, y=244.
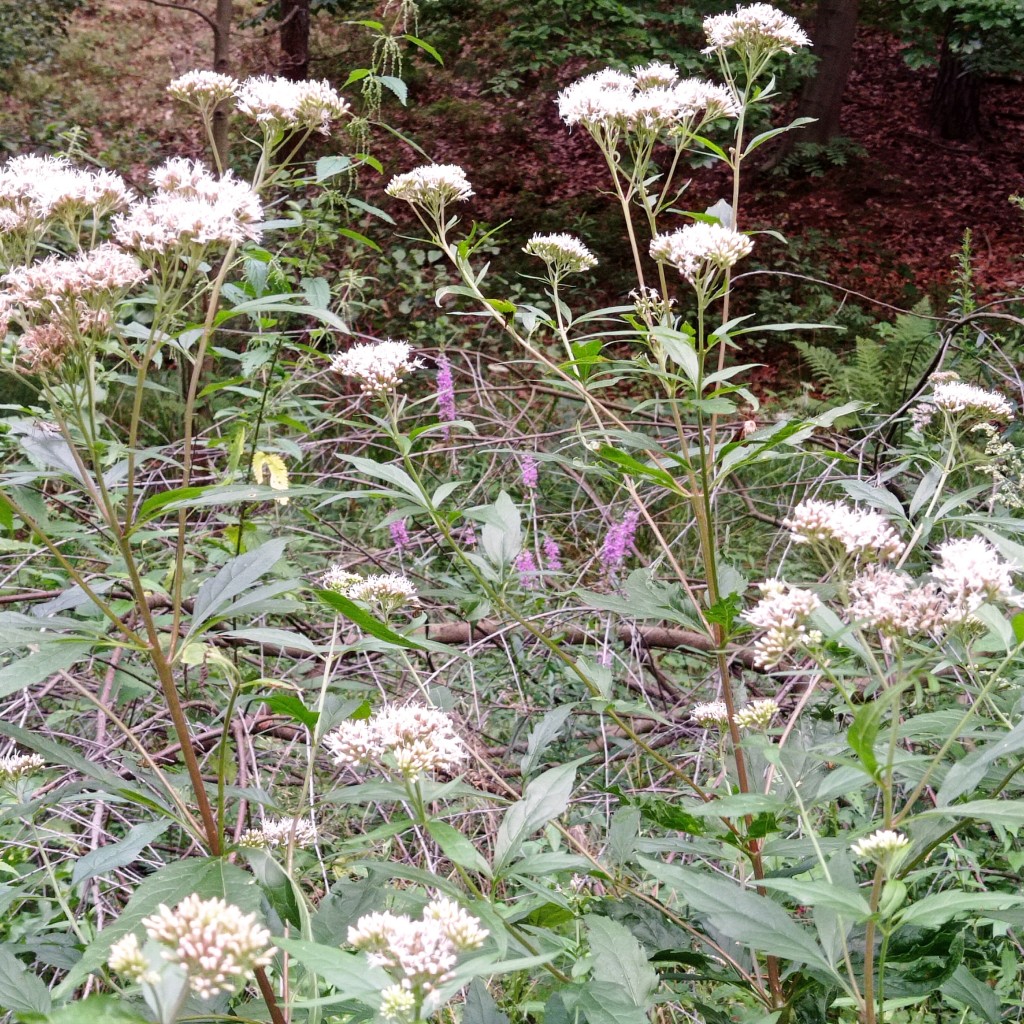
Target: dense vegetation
x=520, y=665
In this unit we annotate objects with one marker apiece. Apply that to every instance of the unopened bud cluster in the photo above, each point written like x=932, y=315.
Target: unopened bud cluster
x=216, y=945
x=420, y=955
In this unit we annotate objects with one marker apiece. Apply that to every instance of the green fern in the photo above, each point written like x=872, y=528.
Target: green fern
x=880, y=372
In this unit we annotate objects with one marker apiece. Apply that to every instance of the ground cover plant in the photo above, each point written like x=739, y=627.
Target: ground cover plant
x=354, y=678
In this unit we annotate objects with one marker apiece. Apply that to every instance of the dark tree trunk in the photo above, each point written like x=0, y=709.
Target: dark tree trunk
x=294, y=39
x=222, y=64
x=955, y=108
x=835, y=25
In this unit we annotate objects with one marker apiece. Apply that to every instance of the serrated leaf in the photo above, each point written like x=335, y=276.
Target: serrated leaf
x=744, y=916
x=233, y=580
x=542, y=735
x=480, y=1008
x=20, y=989
x=349, y=973
x=41, y=665
x=546, y=797
x=365, y=621
x=620, y=959
x=938, y=908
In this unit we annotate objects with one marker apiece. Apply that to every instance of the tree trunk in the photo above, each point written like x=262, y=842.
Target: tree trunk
x=835, y=25
x=222, y=65
x=955, y=108
x=294, y=39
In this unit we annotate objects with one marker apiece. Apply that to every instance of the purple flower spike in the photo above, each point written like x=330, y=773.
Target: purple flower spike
x=445, y=391
x=526, y=566
x=399, y=534
x=528, y=472
x=618, y=540
x=552, y=556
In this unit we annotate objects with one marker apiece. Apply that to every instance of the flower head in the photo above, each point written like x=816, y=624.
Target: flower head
x=888, y=601
x=410, y=739
x=432, y=187
x=279, y=104
x=701, y=249
x=190, y=209
x=399, y=532
x=19, y=766
x=956, y=397
x=127, y=959
x=526, y=566
x=712, y=713
x=37, y=189
x=882, y=847
x=856, y=532
x=339, y=579
x=971, y=572
x=213, y=941
x=618, y=540
x=202, y=89
x=528, y=472
x=758, y=29
x=563, y=253
x=420, y=953
x=387, y=591
x=783, y=614
x=552, y=555
x=758, y=714
x=379, y=367
x=445, y=391
x=281, y=832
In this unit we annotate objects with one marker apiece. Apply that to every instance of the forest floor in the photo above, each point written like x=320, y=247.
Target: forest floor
x=887, y=224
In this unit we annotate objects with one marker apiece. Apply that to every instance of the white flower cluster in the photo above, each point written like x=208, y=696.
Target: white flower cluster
x=710, y=714
x=432, y=187
x=203, y=89
x=971, y=572
x=279, y=104
x=968, y=400
x=758, y=714
x=214, y=942
x=651, y=101
x=759, y=28
x=283, y=832
x=386, y=591
x=276, y=104
x=782, y=613
x=95, y=277
x=858, y=532
x=191, y=208
x=19, y=766
x=1006, y=467
x=37, y=189
x=699, y=248
x=411, y=739
x=881, y=847
x=889, y=602
x=563, y=253
x=379, y=367
x=422, y=953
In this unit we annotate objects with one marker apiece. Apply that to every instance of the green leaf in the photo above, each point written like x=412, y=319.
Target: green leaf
x=390, y=474
x=458, y=848
x=425, y=46
x=234, y=579
x=964, y=988
x=480, y=1008
x=543, y=735
x=117, y=855
x=92, y=1010
x=365, y=621
x=996, y=812
x=20, y=989
x=744, y=916
x=54, y=656
x=546, y=797
x=604, y=1002
x=679, y=347
x=349, y=973
x=207, y=878
x=266, y=636
x=290, y=705
x=396, y=86
x=848, y=902
x=620, y=959
x=863, y=733
x=940, y=907
x=967, y=773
